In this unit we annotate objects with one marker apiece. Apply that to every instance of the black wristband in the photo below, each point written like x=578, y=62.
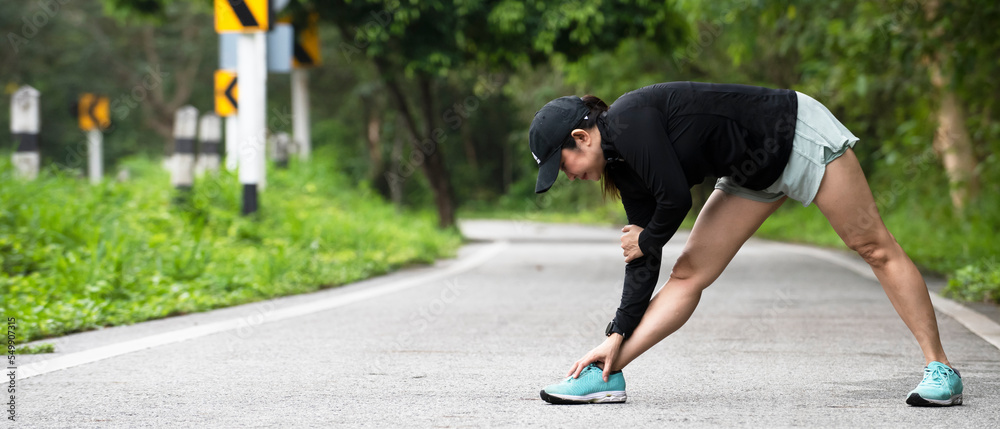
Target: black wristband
x=613, y=329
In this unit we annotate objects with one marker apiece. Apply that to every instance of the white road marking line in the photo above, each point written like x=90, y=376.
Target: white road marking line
x=977, y=323
x=118, y=349
x=980, y=325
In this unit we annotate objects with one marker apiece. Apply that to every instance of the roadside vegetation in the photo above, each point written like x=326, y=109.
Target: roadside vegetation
x=964, y=250
x=75, y=257
x=427, y=104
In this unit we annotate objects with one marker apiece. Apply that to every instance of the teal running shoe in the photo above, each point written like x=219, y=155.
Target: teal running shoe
x=942, y=387
x=589, y=388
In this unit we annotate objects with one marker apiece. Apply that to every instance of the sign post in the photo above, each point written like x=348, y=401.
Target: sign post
x=94, y=115
x=227, y=63
x=95, y=155
x=305, y=55
x=209, y=136
x=250, y=18
x=302, y=137
x=24, y=125
x=232, y=142
x=185, y=130
x=226, y=106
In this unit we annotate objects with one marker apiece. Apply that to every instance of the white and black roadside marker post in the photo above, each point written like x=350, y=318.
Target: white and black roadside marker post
x=185, y=131
x=209, y=141
x=292, y=150
x=280, y=145
x=24, y=125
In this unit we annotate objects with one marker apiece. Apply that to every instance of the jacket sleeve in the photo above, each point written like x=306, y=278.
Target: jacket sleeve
x=640, y=275
x=642, y=141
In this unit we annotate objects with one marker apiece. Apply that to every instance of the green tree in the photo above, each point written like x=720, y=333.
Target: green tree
x=147, y=71
x=906, y=72
x=415, y=45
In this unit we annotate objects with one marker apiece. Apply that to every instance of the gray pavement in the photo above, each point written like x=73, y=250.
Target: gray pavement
x=782, y=339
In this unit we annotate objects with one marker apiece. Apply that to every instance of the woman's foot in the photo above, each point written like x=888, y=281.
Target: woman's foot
x=941, y=387
x=589, y=388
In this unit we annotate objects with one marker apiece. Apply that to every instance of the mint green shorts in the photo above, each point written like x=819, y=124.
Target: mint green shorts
x=819, y=139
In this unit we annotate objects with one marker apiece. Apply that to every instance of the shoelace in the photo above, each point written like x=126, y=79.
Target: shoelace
x=934, y=377
x=589, y=368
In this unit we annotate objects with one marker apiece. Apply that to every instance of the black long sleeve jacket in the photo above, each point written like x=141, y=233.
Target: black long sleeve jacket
x=665, y=138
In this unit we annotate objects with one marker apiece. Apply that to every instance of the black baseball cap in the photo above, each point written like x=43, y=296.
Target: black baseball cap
x=550, y=128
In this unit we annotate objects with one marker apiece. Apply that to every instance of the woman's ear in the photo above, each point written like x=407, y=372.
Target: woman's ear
x=581, y=137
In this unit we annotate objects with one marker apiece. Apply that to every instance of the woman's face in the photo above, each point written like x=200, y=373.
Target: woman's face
x=587, y=160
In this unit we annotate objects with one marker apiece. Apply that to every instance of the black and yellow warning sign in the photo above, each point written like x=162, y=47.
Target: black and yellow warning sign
x=242, y=16
x=93, y=112
x=227, y=93
x=305, y=50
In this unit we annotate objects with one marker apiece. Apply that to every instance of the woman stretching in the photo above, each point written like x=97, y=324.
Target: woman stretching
x=653, y=144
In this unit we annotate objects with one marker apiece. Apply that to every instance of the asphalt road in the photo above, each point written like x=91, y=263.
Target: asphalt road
x=782, y=339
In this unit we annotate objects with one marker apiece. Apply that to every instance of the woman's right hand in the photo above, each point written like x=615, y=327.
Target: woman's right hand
x=604, y=353
x=630, y=242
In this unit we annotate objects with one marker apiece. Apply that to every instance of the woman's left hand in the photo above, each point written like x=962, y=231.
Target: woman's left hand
x=630, y=242
x=604, y=354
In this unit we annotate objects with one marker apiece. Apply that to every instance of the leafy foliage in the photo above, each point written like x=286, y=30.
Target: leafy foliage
x=146, y=66
x=76, y=257
x=441, y=35
x=35, y=349
x=976, y=282
x=867, y=61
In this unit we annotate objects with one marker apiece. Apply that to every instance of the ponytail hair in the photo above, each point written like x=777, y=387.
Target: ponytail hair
x=596, y=106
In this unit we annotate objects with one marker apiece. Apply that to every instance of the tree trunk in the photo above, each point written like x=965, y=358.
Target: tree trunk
x=396, y=188
x=430, y=159
x=508, y=168
x=376, y=165
x=162, y=109
x=470, y=148
x=434, y=161
x=374, y=149
x=952, y=142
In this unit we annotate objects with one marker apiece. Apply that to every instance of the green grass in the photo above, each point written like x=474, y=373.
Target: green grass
x=605, y=214
x=35, y=349
x=75, y=257
x=565, y=202
x=963, y=248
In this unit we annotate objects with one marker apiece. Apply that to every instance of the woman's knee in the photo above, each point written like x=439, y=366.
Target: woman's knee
x=686, y=272
x=876, y=250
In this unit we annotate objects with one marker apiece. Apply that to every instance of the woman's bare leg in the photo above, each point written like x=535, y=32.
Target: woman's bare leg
x=723, y=225
x=846, y=200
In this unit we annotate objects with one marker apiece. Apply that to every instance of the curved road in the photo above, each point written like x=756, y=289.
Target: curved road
x=783, y=338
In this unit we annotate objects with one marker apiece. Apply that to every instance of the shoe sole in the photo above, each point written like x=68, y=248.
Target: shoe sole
x=609, y=397
x=916, y=400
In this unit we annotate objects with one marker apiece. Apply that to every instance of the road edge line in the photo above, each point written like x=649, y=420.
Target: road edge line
x=70, y=360
x=977, y=323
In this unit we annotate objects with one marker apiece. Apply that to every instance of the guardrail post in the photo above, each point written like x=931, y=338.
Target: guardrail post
x=24, y=125
x=185, y=130
x=209, y=140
